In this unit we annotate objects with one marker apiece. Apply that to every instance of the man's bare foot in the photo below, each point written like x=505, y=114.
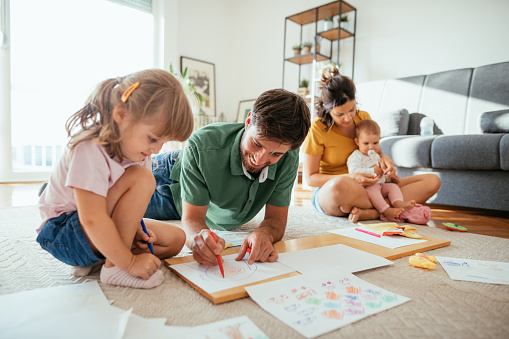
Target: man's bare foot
x=405, y=205
x=392, y=212
x=357, y=214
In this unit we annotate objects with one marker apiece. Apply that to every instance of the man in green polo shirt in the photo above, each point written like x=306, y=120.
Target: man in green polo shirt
x=228, y=172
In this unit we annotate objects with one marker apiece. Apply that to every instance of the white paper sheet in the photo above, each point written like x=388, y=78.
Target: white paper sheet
x=491, y=272
x=314, y=304
x=237, y=273
x=389, y=241
x=61, y=312
x=346, y=258
x=239, y=327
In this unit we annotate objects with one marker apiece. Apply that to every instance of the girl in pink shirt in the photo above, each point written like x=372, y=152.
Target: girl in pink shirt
x=98, y=193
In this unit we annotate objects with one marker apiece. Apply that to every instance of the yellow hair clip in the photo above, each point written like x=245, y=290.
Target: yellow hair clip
x=129, y=91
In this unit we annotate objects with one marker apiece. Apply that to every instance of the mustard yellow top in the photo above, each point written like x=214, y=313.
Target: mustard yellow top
x=333, y=145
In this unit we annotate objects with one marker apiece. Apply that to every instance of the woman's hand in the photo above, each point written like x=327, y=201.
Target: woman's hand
x=364, y=179
x=387, y=165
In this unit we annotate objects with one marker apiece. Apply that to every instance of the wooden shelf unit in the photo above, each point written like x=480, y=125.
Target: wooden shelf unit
x=333, y=35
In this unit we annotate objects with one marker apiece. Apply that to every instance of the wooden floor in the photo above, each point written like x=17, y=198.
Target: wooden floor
x=492, y=223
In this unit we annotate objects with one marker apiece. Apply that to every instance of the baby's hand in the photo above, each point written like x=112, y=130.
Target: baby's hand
x=145, y=264
x=378, y=171
x=141, y=239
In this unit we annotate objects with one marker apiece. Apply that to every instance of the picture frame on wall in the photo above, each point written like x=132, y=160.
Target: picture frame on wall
x=245, y=107
x=203, y=76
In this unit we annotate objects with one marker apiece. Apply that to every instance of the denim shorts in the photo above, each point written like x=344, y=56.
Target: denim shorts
x=161, y=205
x=315, y=202
x=63, y=237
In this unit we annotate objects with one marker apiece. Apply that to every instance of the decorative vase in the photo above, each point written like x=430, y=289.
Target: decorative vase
x=307, y=50
x=296, y=51
x=317, y=48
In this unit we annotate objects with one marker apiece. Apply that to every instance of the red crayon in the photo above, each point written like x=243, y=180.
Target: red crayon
x=219, y=259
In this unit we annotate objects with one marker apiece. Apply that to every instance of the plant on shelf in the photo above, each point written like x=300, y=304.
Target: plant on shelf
x=327, y=23
x=343, y=21
x=297, y=49
x=307, y=46
x=303, y=87
x=318, y=42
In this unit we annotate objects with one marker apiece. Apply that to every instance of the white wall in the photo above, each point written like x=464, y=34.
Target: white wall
x=395, y=38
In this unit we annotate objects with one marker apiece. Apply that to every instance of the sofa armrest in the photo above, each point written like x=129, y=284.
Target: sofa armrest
x=495, y=121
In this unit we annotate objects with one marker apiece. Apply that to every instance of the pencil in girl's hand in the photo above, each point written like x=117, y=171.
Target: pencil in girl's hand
x=146, y=232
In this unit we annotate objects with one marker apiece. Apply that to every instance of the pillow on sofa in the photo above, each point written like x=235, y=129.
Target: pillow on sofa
x=393, y=122
x=495, y=121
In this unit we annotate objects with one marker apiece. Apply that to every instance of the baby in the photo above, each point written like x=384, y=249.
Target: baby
x=366, y=159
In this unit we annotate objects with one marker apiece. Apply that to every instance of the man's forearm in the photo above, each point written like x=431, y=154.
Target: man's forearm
x=273, y=227
x=192, y=228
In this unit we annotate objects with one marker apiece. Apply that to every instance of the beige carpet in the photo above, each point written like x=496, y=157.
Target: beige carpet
x=440, y=307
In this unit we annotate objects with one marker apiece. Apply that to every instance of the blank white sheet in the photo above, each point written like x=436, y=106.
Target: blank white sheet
x=341, y=256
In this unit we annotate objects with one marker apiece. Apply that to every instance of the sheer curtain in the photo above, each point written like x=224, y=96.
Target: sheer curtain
x=59, y=51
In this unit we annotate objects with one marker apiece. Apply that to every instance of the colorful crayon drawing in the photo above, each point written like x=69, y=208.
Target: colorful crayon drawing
x=319, y=303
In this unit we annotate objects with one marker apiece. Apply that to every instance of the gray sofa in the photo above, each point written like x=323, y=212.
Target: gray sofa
x=469, y=150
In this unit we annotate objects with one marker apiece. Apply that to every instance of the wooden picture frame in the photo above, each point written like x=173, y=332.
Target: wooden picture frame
x=245, y=107
x=203, y=76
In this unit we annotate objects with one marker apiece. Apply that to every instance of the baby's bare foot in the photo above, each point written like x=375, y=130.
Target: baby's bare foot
x=405, y=205
x=357, y=214
x=392, y=212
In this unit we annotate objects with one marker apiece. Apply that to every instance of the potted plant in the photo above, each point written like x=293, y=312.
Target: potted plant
x=327, y=23
x=307, y=46
x=343, y=21
x=297, y=49
x=318, y=41
x=303, y=87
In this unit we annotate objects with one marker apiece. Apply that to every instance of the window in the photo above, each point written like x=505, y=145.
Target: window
x=59, y=51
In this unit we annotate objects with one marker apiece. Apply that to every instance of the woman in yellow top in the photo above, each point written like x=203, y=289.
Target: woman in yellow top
x=329, y=144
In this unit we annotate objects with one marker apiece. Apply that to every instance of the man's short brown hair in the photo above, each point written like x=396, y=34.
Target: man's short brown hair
x=280, y=115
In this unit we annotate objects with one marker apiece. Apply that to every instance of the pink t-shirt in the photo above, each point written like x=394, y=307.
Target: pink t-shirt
x=87, y=167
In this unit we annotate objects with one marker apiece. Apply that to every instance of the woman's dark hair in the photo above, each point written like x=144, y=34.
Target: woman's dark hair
x=336, y=90
x=283, y=116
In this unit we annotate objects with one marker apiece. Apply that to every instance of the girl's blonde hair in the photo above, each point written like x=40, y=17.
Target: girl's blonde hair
x=159, y=97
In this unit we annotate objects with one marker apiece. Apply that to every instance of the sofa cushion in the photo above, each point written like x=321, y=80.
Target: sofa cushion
x=504, y=152
x=444, y=99
x=392, y=122
x=488, y=92
x=468, y=152
x=495, y=122
x=402, y=92
x=408, y=151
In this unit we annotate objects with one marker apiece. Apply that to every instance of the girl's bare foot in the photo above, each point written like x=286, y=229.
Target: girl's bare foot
x=357, y=214
x=392, y=212
x=405, y=205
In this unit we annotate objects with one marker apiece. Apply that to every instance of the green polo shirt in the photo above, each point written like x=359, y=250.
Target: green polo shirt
x=209, y=172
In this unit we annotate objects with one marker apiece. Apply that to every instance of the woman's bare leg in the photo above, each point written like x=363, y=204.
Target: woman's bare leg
x=342, y=195
x=419, y=187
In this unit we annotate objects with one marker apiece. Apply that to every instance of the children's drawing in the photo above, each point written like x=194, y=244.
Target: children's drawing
x=320, y=302
x=492, y=272
x=236, y=273
x=233, y=270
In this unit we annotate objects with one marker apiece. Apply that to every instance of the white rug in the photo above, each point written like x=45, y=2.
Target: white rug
x=440, y=307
